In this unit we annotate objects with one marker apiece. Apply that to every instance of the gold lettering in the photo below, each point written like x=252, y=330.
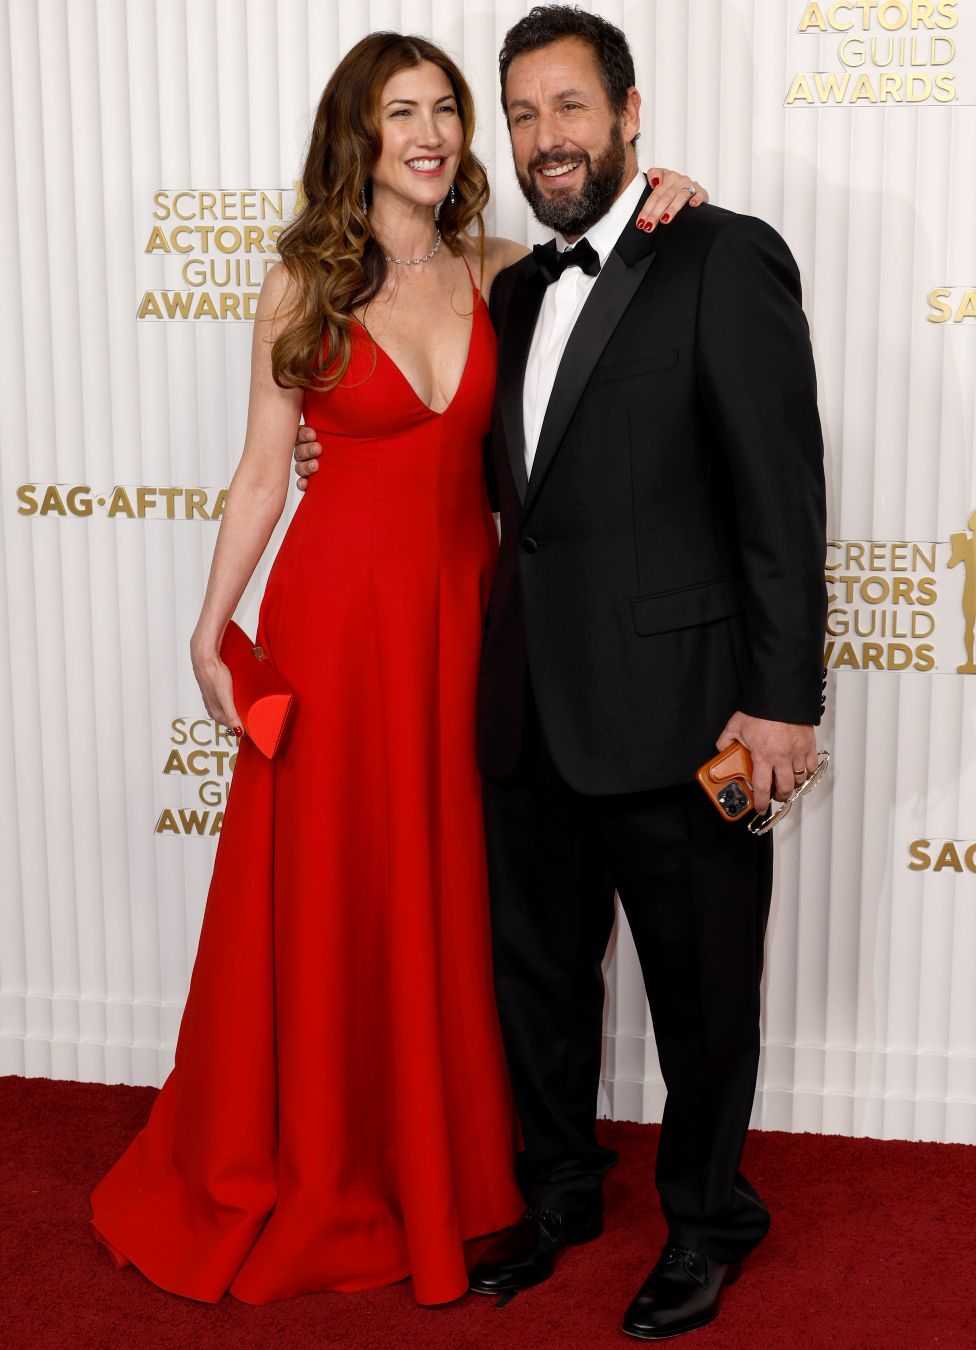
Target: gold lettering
x=28, y=502
x=813, y=17
x=832, y=86
x=919, y=88
x=890, y=86
x=833, y=18
x=177, y=304
x=183, y=232
x=232, y=234
x=863, y=90
x=202, y=722
x=902, y=15
x=196, y=502
x=948, y=857
x=918, y=849
x=183, y=215
x=51, y=501
x=149, y=307
x=120, y=505
x=158, y=242
x=193, y=822
x=79, y=500
x=852, y=52
x=169, y=496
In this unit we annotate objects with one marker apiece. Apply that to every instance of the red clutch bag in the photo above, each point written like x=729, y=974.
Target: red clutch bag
x=261, y=696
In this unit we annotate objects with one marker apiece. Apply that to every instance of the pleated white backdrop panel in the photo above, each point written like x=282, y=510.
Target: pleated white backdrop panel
x=870, y=1002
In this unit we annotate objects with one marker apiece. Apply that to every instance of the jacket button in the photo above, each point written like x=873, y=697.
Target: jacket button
x=530, y=545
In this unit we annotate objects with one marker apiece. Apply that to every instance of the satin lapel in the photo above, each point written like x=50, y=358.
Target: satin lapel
x=513, y=353
x=612, y=292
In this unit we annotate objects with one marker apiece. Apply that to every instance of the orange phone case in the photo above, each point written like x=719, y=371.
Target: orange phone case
x=727, y=779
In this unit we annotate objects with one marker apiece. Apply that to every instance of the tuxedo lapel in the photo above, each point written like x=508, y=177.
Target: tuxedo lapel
x=612, y=292
x=513, y=353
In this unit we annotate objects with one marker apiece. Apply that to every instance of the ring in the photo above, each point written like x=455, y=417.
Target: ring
x=691, y=190
x=799, y=772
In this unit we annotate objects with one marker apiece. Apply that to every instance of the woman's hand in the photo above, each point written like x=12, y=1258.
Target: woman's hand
x=671, y=193
x=215, y=683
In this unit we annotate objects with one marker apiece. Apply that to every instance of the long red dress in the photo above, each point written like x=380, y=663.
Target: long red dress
x=339, y=1114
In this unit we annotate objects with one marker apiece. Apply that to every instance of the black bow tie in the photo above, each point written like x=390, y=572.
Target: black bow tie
x=552, y=264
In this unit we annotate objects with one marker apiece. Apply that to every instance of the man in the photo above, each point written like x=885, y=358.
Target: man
x=658, y=460
x=658, y=457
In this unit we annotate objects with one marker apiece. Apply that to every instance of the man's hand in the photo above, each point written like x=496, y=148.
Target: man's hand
x=784, y=754
x=307, y=451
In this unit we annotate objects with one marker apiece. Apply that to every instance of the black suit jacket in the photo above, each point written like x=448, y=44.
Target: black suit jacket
x=664, y=564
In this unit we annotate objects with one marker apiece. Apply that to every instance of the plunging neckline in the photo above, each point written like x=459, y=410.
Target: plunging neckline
x=478, y=302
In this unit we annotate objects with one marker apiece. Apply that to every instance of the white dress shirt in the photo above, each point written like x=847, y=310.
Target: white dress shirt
x=561, y=308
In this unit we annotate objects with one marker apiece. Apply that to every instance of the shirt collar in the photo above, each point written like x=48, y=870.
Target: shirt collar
x=608, y=229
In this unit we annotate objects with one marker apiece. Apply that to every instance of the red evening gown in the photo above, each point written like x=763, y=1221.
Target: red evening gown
x=339, y=1114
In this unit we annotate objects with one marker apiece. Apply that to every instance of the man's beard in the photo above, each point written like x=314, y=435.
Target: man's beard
x=573, y=213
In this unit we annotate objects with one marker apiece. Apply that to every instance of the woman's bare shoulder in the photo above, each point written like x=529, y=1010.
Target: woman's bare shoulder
x=499, y=254
x=279, y=296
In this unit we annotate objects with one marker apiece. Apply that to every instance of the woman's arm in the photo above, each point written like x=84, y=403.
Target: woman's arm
x=254, y=503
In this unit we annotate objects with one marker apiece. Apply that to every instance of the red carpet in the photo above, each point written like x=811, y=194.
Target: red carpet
x=872, y=1248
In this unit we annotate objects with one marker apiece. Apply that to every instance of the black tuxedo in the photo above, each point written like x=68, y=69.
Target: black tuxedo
x=662, y=567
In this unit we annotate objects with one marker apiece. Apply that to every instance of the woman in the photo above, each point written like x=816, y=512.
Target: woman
x=339, y=1115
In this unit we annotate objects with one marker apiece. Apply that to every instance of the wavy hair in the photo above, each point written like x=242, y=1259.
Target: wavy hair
x=333, y=259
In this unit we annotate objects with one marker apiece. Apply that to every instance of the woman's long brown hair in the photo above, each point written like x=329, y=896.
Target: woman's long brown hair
x=333, y=259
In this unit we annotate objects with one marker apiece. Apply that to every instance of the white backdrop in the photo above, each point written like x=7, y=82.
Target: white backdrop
x=850, y=127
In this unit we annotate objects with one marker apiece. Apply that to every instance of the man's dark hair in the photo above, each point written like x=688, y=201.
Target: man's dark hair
x=550, y=23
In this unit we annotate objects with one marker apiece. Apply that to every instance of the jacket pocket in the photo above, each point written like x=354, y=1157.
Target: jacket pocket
x=645, y=364
x=687, y=607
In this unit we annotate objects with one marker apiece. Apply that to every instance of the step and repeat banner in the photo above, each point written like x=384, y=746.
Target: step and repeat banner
x=149, y=151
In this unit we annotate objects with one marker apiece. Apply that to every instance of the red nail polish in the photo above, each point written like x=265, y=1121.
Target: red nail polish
x=665, y=219
x=649, y=226
x=655, y=182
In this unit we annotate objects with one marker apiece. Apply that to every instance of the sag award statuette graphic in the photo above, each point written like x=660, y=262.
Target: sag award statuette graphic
x=964, y=551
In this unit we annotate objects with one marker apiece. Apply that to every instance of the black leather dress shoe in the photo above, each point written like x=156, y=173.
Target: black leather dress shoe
x=526, y=1254
x=681, y=1293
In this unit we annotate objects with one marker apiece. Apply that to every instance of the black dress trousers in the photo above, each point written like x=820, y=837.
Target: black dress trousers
x=696, y=891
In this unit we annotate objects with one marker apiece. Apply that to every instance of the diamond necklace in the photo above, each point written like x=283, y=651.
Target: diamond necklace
x=412, y=262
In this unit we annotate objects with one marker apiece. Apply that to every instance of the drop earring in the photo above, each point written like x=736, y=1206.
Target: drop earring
x=362, y=200
x=449, y=200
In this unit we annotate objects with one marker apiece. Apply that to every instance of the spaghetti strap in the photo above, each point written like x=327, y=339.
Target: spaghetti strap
x=474, y=284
